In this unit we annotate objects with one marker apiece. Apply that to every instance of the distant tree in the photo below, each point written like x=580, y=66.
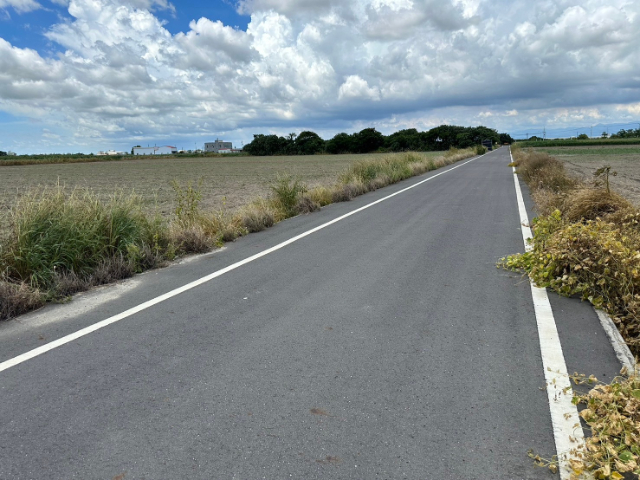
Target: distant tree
x=630, y=133
x=442, y=137
x=265, y=145
x=583, y=136
x=405, y=140
x=367, y=140
x=506, y=138
x=309, y=143
x=604, y=135
x=466, y=138
x=341, y=143
x=481, y=133
x=3, y=154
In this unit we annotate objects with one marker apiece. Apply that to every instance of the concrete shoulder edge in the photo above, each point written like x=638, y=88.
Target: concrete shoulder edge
x=617, y=342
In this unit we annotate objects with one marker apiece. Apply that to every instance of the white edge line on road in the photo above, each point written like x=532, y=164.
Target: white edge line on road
x=154, y=301
x=620, y=347
x=567, y=431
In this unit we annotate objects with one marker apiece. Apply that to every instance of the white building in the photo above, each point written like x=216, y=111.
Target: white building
x=163, y=150
x=218, y=145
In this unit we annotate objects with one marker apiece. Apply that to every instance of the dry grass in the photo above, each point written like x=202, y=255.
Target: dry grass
x=227, y=183
x=541, y=171
x=18, y=298
x=257, y=216
x=592, y=203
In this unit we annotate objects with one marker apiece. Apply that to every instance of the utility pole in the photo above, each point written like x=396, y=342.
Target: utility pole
x=544, y=133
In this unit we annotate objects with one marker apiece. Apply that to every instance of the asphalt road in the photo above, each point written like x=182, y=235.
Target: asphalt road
x=385, y=346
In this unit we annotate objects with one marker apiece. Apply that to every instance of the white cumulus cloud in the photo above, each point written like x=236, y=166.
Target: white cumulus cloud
x=325, y=64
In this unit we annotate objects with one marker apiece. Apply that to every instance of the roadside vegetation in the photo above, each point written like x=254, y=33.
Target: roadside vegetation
x=586, y=242
x=591, y=142
x=61, y=242
x=612, y=413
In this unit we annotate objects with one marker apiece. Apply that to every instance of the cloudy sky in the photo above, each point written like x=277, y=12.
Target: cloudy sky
x=89, y=75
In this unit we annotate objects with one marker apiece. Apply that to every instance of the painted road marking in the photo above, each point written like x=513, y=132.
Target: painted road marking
x=567, y=431
x=154, y=301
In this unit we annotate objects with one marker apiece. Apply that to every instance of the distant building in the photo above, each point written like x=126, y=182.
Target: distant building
x=218, y=145
x=229, y=150
x=164, y=150
x=110, y=152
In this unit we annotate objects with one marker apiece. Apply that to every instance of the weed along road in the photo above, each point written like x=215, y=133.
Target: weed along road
x=382, y=344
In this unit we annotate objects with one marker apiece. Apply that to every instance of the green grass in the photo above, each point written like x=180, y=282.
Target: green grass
x=579, y=143
x=577, y=151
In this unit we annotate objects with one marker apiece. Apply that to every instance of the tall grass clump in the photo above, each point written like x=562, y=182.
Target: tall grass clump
x=257, y=216
x=480, y=149
x=196, y=231
x=286, y=195
x=58, y=234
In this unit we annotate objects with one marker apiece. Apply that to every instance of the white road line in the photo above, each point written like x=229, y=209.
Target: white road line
x=143, y=306
x=567, y=431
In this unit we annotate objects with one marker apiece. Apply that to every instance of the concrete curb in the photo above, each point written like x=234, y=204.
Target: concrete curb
x=617, y=342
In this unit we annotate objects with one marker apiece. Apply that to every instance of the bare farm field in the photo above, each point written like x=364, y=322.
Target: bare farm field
x=581, y=162
x=226, y=182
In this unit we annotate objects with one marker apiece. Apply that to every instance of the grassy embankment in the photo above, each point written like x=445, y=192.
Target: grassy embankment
x=587, y=242
x=64, y=242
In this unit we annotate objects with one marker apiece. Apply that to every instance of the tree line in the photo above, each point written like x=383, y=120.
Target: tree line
x=369, y=140
x=629, y=133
